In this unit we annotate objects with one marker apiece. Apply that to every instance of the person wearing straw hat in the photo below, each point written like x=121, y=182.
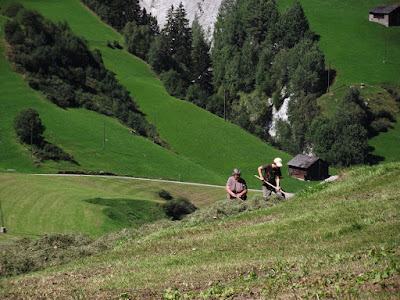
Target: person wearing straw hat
x=272, y=175
x=236, y=186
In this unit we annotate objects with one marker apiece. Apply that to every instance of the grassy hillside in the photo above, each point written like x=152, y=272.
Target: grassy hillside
x=355, y=48
x=80, y=132
x=208, y=148
x=353, y=45
x=35, y=205
x=387, y=144
x=340, y=240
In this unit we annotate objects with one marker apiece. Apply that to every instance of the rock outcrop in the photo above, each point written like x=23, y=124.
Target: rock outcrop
x=205, y=10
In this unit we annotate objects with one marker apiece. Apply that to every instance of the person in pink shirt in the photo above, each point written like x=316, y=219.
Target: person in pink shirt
x=236, y=186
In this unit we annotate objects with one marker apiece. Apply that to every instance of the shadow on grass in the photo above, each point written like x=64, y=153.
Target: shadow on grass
x=373, y=159
x=126, y=213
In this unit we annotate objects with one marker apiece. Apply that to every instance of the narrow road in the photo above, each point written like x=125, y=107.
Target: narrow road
x=144, y=179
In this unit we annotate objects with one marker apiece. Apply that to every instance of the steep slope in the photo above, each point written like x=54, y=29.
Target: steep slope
x=80, y=132
x=339, y=240
x=356, y=49
x=197, y=136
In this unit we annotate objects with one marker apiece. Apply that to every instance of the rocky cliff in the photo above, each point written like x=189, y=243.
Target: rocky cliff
x=205, y=10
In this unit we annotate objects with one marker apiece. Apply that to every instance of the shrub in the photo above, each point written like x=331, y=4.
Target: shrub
x=49, y=151
x=12, y=9
x=109, y=45
x=28, y=126
x=165, y=195
x=176, y=209
x=117, y=45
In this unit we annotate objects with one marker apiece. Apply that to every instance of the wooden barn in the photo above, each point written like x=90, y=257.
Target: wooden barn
x=387, y=15
x=308, y=168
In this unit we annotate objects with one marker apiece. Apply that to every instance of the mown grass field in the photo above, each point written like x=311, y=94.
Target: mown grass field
x=35, y=205
x=208, y=148
x=338, y=240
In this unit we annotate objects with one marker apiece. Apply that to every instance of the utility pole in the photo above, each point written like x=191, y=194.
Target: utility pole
x=3, y=229
x=225, y=105
x=329, y=73
x=155, y=123
x=104, y=133
x=31, y=138
x=384, y=53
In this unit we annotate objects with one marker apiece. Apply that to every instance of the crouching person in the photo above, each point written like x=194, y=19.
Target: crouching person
x=236, y=186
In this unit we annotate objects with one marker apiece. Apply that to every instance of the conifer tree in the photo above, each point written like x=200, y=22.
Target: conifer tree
x=201, y=61
x=293, y=26
x=181, y=37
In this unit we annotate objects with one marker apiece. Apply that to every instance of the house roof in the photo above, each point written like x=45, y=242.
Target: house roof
x=383, y=9
x=302, y=161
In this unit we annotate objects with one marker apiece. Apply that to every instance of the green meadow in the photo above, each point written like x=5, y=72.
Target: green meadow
x=354, y=45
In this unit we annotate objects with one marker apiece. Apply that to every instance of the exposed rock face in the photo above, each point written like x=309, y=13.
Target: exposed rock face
x=205, y=10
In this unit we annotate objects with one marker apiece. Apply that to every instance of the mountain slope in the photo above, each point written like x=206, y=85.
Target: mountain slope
x=211, y=146
x=80, y=132
x=354, y=46
x=356, y=49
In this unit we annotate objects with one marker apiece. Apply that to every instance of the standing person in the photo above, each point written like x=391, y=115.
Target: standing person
x=272, y=174
x=236, y=186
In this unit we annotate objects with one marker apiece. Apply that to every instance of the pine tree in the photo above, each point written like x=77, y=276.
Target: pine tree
x=226, y=43
x=181, y=38
x=201, y=61
x=293, y=26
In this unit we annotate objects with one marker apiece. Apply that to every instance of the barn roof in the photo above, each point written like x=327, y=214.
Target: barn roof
x=383, y=9
x=303, y=161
